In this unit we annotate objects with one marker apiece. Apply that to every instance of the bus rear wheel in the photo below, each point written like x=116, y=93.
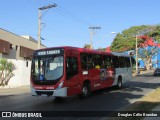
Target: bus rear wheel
x=119, y=83
x=86, y=90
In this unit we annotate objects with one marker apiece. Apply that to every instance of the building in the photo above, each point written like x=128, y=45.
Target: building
x=18, y=49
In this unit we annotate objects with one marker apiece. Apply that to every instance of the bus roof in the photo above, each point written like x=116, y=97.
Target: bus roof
x=120, y=54
x=79, y=49
x=87, y=50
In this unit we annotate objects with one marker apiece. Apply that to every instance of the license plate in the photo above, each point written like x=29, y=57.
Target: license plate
x=44, y=95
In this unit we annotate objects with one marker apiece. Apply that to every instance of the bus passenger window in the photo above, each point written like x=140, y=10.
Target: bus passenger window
x=107, y=62
x=84, y=61
x=121, y=62
x=87, y=61
x=127, y=61
x=97, y=61
x=115, y=60
x=72, y=66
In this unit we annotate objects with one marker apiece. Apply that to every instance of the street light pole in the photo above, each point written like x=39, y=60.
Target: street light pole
x=39, y=22
x=91, y=35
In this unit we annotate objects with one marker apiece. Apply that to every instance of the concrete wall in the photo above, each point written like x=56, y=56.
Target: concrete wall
x=21, y=73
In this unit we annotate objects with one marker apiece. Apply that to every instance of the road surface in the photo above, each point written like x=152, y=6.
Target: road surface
x=110, y=99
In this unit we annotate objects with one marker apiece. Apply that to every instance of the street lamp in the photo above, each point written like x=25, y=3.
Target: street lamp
x=113, y=32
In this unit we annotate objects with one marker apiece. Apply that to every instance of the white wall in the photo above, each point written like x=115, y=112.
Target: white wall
x=21, y=74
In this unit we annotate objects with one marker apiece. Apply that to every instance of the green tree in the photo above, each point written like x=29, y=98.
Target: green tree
x=6, y=71
x=155, y=33
x=126, y=40
x=102, y=49
x=87, y=46
x=146, y=55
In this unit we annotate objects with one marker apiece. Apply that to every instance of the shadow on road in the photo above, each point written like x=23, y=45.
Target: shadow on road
x=109, y=99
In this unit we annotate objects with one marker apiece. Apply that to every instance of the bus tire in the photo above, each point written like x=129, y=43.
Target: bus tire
x=119, y=82
x=86, y=90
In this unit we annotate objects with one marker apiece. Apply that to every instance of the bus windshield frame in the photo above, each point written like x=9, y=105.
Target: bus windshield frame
x=47, y=67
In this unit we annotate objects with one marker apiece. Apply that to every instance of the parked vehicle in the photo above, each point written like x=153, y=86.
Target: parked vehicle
x=157, y=72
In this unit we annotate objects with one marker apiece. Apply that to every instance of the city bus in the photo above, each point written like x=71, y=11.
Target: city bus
x=67, y=71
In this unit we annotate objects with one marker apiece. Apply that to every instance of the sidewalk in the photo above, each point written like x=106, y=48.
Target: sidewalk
x=143, y=72
x=157, y=108
x=14, y=91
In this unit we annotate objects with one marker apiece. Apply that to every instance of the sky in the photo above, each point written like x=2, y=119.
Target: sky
x=68, y=23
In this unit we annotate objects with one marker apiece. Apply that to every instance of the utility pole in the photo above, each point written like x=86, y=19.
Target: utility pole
x=136, y=56
x=91, y=34
x=39, y=21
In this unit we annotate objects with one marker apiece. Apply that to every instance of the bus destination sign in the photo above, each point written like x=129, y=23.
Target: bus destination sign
x=48, y=52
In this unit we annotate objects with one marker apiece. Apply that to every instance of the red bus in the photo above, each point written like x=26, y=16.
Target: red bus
x=67, y=71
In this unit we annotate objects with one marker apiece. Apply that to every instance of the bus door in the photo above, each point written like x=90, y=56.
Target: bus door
x=72, y=75
x=95, y=73
x=107, y=71
x=90, y=64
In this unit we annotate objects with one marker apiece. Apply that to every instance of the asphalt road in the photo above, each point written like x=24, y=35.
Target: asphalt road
x=110, y=99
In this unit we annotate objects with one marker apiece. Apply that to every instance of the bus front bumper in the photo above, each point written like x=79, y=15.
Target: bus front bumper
x=62, y=92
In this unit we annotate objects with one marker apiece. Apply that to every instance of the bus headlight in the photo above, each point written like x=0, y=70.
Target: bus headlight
x=60, y=85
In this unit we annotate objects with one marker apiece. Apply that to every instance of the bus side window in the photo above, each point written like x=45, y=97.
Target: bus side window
x=107, y=62
x=71, y=66
x=90, y=63
x=122, y=63
x=97, y=61
x=87, y=61
x=127, y=61
x=84, y=61
x=115, y=61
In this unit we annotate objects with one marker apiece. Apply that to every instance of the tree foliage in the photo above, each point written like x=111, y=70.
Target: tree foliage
x=6, y=71
x=87, y=46
x=102, y=49
x=146, y=55
x=126, y=40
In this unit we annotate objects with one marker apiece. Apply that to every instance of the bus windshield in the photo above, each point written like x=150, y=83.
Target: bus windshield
x=47, y=68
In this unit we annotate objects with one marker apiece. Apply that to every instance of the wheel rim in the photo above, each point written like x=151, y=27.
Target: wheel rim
x=119, y=84
x=85, y=90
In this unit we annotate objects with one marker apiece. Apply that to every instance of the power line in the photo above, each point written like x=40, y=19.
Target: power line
x=71, y=15
x=74, y=15
x=46, y=40
x=44, y=13
x=68, y=14
x=58, y=43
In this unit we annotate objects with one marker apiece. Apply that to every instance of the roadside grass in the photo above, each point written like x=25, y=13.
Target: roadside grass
x=145, y=104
